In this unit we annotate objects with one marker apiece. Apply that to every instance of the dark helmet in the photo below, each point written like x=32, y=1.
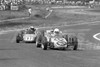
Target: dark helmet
x=32, y=28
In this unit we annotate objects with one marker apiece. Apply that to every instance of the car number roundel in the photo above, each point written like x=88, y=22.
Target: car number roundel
x=28, y=38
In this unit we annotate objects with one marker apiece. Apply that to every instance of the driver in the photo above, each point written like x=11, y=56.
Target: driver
x=57, y=32
x=31, y=29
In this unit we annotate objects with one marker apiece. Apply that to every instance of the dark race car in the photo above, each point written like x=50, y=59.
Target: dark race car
x=26, y=36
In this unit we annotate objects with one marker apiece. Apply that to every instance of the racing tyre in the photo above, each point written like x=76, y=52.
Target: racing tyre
x=38, y=45
x=38, y=40
x=75, y=43
x=75, y=47
x=17, y=39
x=44, y=46
x=66, y=37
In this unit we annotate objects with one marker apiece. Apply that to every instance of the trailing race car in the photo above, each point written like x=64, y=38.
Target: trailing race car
x=26, y=36
x=47, y=40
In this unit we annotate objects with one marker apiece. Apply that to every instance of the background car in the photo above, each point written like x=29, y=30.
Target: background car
x=26, y=36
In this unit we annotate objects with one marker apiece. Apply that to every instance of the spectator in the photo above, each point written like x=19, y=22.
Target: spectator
x=30, y=11
x=32, y=29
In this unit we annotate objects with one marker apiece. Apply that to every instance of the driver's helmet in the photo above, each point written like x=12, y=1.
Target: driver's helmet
x=32, y=28
x=57, y=31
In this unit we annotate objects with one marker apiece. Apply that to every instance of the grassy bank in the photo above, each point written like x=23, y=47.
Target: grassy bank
x=4, y=15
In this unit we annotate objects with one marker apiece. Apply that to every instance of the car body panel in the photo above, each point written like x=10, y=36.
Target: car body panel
x=29, y=37
x=59, y=42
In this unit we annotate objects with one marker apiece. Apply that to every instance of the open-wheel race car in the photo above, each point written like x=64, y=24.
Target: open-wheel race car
x=47, y=40
x=26, y=36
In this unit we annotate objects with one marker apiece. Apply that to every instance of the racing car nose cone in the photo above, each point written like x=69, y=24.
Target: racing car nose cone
x=61, y=43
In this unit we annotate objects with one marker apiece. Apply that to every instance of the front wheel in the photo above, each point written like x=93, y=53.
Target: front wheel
x=17, y=39
x=44, y=46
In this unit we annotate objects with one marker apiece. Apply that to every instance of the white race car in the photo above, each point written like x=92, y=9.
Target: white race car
x=58, y=42
x=47, y=40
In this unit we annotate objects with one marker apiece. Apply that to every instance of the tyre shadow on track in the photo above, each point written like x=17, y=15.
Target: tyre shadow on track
x=65, y=50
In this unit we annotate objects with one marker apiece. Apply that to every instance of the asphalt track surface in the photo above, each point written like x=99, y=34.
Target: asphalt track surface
x=27, y=55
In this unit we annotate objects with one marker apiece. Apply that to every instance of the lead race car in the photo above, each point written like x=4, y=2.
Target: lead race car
x=26, y=36
x=57, y=42
x=47, y=40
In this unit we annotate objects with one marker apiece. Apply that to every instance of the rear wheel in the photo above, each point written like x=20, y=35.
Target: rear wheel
x=73, y=43
x=39, y=39
x=75, y=47
x=17, y=39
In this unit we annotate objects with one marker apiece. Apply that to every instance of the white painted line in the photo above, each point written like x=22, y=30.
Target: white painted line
x=95, y=36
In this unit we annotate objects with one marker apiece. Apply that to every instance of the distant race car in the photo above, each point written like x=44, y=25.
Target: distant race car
x=46, y=40
x=26, y=36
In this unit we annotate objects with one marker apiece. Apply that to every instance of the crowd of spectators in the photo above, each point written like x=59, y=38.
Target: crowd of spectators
x=7, y=4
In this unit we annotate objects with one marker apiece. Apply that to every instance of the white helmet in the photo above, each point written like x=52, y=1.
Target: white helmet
x=31, y=27
x=56, y=30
